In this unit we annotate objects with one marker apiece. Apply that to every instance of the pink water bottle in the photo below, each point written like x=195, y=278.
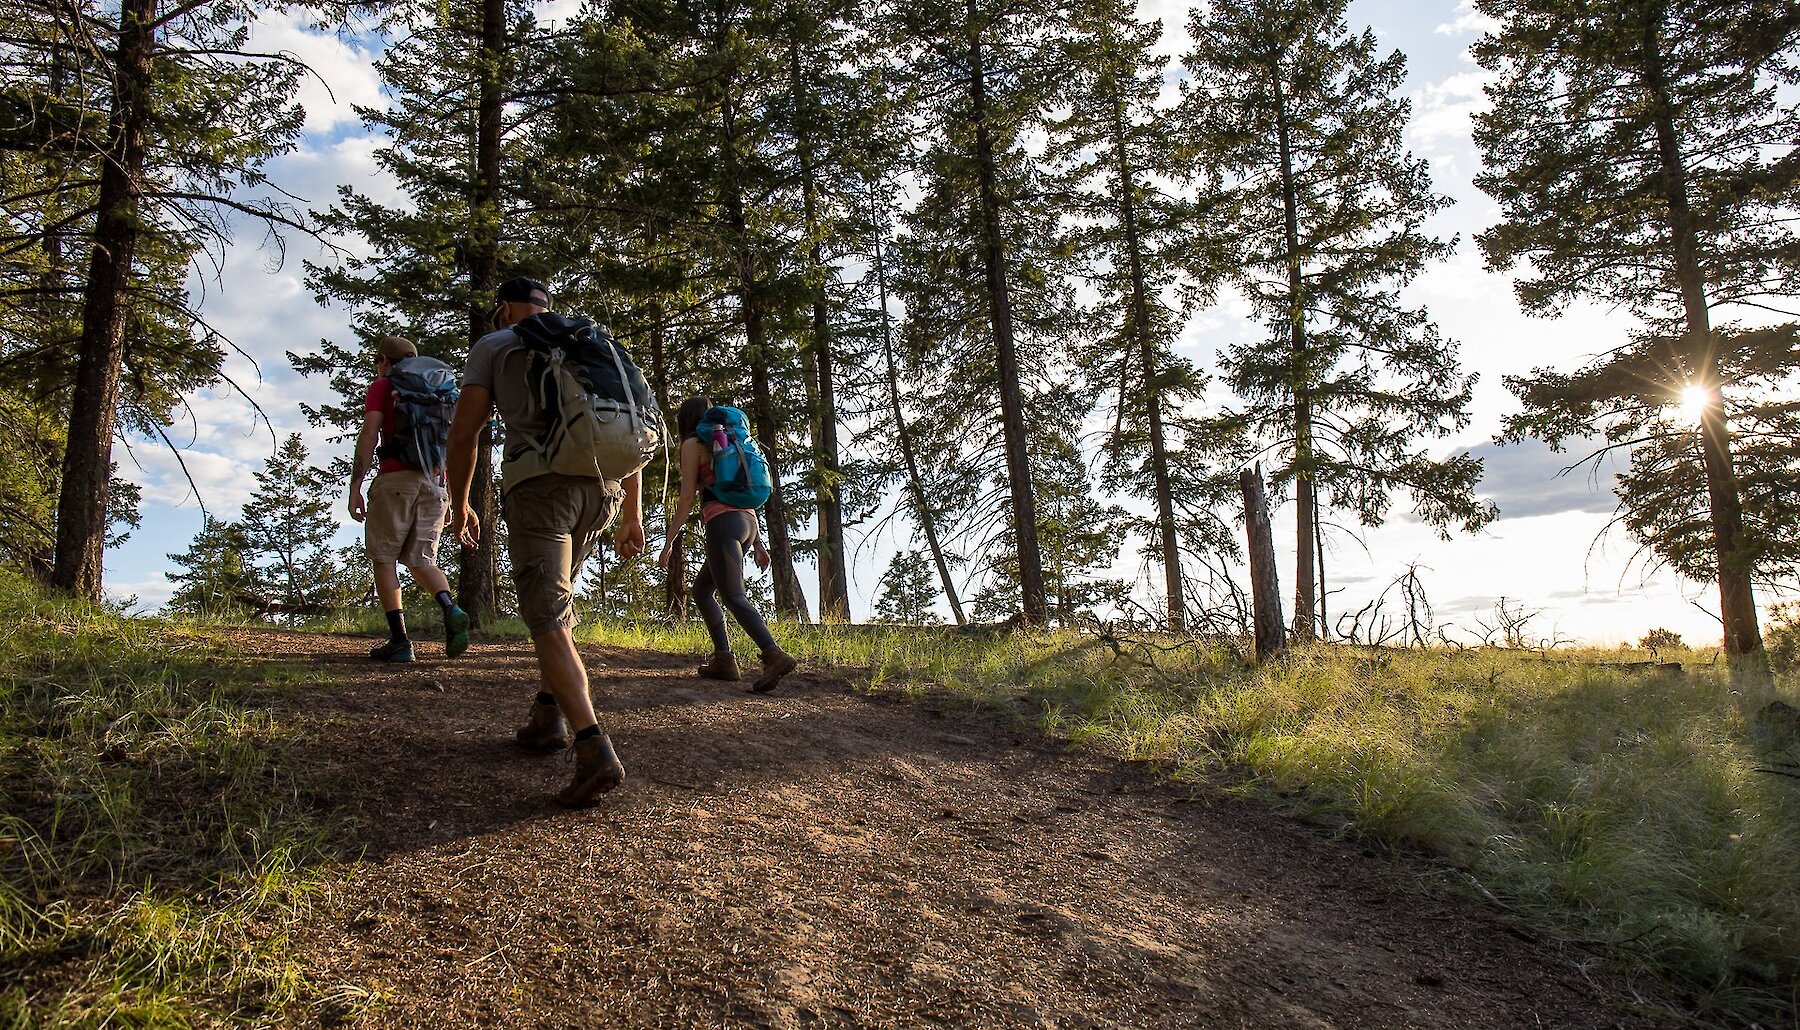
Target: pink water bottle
x=719, y=440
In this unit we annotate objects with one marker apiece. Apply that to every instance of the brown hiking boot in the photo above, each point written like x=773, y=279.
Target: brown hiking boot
x=597, y=770
x=546, y=731
x=721, y=666
x=775, y=664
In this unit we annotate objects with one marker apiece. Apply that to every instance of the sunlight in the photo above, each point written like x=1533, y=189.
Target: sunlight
x=1693, y=403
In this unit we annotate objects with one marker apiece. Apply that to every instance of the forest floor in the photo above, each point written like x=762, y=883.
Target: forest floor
x=837, y=856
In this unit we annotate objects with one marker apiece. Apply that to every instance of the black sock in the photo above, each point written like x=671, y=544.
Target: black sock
x=445, y=601
x=397, y=624
x=546, y=698
x=588, y=734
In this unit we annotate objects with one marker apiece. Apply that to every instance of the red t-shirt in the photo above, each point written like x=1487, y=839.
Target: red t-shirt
x=381, y=398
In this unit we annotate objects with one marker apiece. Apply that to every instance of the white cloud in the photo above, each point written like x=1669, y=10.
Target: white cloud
x=150, y=594
x=1442, y=111
x=559, y=11
x=1467, y=21
x=224, y=483
x=315, y=171
x=344, y=73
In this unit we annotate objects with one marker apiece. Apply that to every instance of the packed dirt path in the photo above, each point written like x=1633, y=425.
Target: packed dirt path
x=824, y=856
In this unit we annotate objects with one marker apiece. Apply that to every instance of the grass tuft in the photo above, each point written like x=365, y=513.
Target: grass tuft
x=153, y=852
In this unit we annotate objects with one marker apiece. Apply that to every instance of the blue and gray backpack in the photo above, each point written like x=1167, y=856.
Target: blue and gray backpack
x=424, y=398
x=741, y=475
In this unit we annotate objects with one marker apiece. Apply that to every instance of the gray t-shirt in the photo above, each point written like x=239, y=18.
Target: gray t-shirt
x=500, y=362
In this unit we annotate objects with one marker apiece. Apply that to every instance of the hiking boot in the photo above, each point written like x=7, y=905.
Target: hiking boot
x=393, y=651
x=545, y=731
x=775, y=664
x=456, y=632
x=597, y=770
x=721, y=666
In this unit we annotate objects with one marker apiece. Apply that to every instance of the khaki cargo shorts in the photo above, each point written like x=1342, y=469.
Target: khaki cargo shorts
x=553, y=523
x=405, y=517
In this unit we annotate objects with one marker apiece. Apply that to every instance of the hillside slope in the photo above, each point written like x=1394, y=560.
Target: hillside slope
x=825, y=856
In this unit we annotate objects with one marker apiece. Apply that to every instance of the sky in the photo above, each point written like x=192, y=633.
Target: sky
x=1548, y=553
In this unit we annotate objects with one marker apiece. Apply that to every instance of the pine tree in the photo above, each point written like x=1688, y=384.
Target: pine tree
x=983, y=260
x=829, y=118
x=924, y=494
x=29, y=445
x=1299, y=116
x=287, y=529
x=157, y=122
x=1080, y=537
x=1641, y=154
x=1117, y=146
x=753, y=226
x=217, y=576
x=615, y=163
x=622, y=592
x=907, y=592
x=679, y=173
x=463, y=80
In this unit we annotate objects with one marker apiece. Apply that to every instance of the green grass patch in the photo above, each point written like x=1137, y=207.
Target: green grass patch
x=154, y=852
x=1643, y=813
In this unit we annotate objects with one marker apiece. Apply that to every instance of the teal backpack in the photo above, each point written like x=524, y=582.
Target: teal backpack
x=740, y=469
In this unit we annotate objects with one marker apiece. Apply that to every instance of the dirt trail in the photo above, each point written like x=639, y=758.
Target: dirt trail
x=826, y=857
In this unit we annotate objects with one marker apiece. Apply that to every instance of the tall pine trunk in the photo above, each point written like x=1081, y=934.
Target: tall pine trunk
x=834, y=572
x=1034, y=608
x=790, y=600
x=1305, y=496
x=81, y=517
x=1737, y=599
x=1140, y=336
x=480, y=564
x=675, y=591
x=927, y=520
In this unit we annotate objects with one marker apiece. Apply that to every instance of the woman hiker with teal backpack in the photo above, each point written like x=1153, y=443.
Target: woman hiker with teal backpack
x=723, y=467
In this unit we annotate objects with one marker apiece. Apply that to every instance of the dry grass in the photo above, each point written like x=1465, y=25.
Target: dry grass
x=1643, y=813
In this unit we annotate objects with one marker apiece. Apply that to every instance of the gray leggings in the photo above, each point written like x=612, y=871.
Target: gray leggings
x=728, y=538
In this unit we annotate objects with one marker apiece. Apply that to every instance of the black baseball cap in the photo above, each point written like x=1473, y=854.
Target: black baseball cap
x=522, y=290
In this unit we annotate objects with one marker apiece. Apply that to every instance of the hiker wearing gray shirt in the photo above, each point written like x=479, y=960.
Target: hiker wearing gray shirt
x=553, y=523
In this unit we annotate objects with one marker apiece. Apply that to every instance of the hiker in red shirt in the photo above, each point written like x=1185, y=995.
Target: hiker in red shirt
x=405, y=512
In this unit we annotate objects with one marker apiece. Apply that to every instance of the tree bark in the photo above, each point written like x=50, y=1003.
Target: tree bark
x=1265, y=583
x=1737, y=600
x=1319, y=549
x=927, y=521
x=81, y=517
x=834, y=572
x=1305, y=496
x=790, y=599
x=675, y=592
x=1034, y=608
x=480, y=564
x=1139, y=333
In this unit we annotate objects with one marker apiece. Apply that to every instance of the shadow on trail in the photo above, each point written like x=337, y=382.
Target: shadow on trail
x=823, y=856
x=406, y=758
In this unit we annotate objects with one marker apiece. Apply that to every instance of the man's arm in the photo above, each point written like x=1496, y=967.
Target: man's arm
x=629, y=540
x=364, y=458
x=472, y=411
